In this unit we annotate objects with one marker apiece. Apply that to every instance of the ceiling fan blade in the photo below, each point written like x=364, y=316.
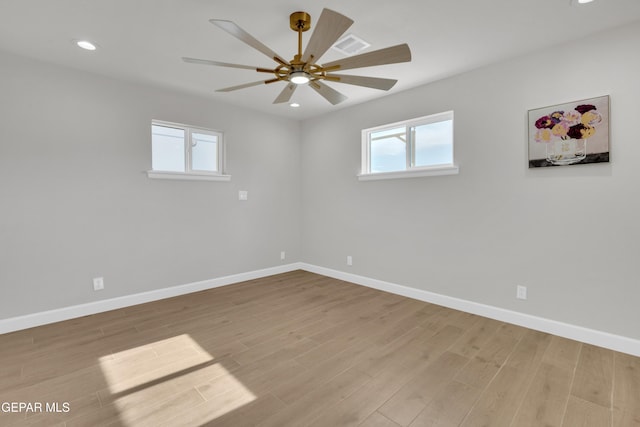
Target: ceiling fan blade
x=242, y=35
x=242, y=86
x=331, y=25
x=331, y=95
x=286, y=93
x=217, y=63
x=372, y=82
x=389, y=55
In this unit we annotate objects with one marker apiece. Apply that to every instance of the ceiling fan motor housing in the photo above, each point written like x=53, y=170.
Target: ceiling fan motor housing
x=300, y=21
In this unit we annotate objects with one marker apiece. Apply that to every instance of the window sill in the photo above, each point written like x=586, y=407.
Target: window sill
x=188, y=176
x=415, y=173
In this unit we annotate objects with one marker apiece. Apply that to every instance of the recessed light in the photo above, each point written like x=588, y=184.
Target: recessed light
x=294, y=105
x=86, y=45
x=576, y=2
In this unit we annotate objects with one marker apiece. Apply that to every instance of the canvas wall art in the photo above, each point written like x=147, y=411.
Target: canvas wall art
x=569, y=134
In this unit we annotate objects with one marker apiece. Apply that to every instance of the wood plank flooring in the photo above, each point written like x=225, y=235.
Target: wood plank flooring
x=299, y=349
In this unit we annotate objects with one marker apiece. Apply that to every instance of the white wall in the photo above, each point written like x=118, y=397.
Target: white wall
x=75, y=203
x=570, y=234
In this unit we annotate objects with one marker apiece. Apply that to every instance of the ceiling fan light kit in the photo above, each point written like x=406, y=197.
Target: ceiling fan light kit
x=299, y=77
x=304, y=67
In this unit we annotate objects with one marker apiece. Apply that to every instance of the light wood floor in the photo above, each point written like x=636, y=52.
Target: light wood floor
x=298, y=349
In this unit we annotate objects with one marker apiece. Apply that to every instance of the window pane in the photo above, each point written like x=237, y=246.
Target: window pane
x=204, y=152
x=434, y=143
x=388, y=150
x=167, y=151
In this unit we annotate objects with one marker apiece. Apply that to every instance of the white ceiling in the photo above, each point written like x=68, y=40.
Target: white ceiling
x=143, y=40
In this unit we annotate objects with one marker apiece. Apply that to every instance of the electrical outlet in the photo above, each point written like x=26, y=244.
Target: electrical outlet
x=98, y=283
x=349, y=260
x=282, y=255
x=521, y=292
x=243, y=195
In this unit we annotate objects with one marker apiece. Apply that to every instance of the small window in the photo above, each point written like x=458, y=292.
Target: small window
x=185, y=152
x=417, y=147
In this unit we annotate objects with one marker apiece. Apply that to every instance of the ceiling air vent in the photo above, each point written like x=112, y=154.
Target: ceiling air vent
x=350, y=45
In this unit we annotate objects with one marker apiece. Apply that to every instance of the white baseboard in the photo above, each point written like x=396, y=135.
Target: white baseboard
x=66, y=313
x=578, y=333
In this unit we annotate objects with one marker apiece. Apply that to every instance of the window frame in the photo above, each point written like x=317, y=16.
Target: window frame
x=410, y=170
x=190, y=173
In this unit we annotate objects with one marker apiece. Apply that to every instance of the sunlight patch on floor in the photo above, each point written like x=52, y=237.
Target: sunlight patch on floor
x=170, y=379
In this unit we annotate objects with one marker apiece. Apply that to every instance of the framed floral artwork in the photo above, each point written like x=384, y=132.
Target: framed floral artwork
x=569, y=134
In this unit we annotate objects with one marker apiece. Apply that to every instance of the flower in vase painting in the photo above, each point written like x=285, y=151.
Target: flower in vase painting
x=545, y=122
x=543, y=135
x=560, y=129
x=572, y=117
x=591, y=118
x=581, y=131
x=556, y=116
x=584, y=108
x=570, y=133
x=578, y=123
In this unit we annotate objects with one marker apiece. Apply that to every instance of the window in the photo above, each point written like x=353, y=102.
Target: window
x=184, y=152
x=417, y=147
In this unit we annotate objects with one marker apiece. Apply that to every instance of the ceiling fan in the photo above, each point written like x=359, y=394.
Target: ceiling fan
x=304, y=67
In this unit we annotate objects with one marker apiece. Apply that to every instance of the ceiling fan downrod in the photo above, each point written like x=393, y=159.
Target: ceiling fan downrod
x=299, y=22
